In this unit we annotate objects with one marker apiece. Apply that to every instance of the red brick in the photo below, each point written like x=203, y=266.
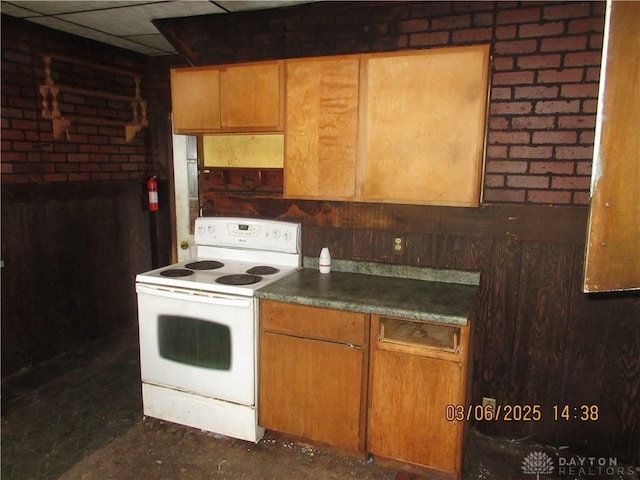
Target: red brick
x=473, y=35
x=530, y=152
x=510, y=196
x=510, y=108
x=557, y=106
x=555, y=137
x=509, y=137
x=425, y=39
x=596, y=41
x=560, y=76
x=539, y=61
x=537, y=91
x=483, y=19
x=566, y=168
x=534, y=122
x=581, y=59
x=574, y=153
x=519, y=15
x=476, y=6
x=580, y=198
x=498, y=123
x=567, y=10
x=579, y=90
x=494, y=180
x=451, y=23
x=586, y=137
x=586, y=25
x=513, y=78
x=496, y=151
x=590, y=106
x=540, y=29
x=414, y=25
x=576, y=121
x=549, y=197
x=507, y=166
x=506, y=33
x=563, y=44
x=503, y=63
x=572, y=183
x=12, y=134
x=584, y=168
x=55, y=177
x=499, y=93
x=79, y=177
x=528, y=181
x=516, y=47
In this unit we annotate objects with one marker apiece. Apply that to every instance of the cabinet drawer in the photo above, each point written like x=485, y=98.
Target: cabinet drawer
x=312, y=322
x=420, y=338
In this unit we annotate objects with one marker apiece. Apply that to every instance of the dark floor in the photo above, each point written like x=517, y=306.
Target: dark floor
x=80, y=417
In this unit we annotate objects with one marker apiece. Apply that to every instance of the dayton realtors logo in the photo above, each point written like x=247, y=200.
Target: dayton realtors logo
x=540, y=463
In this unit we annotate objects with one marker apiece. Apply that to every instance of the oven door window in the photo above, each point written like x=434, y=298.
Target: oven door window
x=194, y=342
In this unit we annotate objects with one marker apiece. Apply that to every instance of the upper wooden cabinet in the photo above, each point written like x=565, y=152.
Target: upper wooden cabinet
x=403, y=127
x=227, y=99
x=424, y=126
x=321, y=128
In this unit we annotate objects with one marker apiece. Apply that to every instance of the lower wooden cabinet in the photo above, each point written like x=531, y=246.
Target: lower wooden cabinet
x=322, y=379
x=311, y=373
x=417, y=370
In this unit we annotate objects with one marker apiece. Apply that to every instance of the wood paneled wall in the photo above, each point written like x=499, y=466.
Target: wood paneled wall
x=538, y=340
x=71, y=253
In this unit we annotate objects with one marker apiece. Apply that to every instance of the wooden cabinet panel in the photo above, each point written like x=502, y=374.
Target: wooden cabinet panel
x=228, y=99
x=321, y=128
x=425, y=125
x=311, y=389
x=408, y=398
x=195, y=99
x=251, y=97
x=312, y=322
x=415, y=372
x=613, y=243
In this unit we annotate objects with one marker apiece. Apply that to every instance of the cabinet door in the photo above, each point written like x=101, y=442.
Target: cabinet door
x=311, y=389
x=195, y=99
x=408, y=395
x=424, y=126
x=251, y=97
x=321, y=128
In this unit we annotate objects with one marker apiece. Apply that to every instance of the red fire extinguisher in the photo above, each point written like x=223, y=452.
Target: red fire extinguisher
x=152, y=190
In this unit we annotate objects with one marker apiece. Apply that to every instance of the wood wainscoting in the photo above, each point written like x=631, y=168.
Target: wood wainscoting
x=538, y=339
x=70, y=254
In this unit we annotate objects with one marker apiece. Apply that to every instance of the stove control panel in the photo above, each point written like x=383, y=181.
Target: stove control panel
x=248, y=233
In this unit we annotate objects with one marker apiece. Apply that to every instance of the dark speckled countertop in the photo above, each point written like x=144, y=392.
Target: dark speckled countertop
x=443, y=296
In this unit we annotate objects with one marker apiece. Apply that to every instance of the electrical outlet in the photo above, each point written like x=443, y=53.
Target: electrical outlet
x=398, y=245
x=488, y=401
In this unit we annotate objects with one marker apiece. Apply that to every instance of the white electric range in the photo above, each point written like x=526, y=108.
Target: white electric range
x=198, y=324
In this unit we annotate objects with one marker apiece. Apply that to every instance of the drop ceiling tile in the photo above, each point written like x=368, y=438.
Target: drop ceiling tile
x=157, y=42
x=80, y=31
x=134, y=20
x=239, y=6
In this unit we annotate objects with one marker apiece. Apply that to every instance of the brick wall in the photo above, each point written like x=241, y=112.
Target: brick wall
x=546, y=63
x=94, y=150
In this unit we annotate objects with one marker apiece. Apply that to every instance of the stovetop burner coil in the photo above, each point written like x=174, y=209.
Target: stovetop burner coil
x=263, y=270
x=238, y=279
x=176, y=272
x=204, y=265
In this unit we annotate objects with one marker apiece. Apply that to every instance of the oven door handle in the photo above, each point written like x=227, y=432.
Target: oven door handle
x=196, y=296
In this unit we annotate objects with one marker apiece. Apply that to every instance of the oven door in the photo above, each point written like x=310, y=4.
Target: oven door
x=198, y=342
